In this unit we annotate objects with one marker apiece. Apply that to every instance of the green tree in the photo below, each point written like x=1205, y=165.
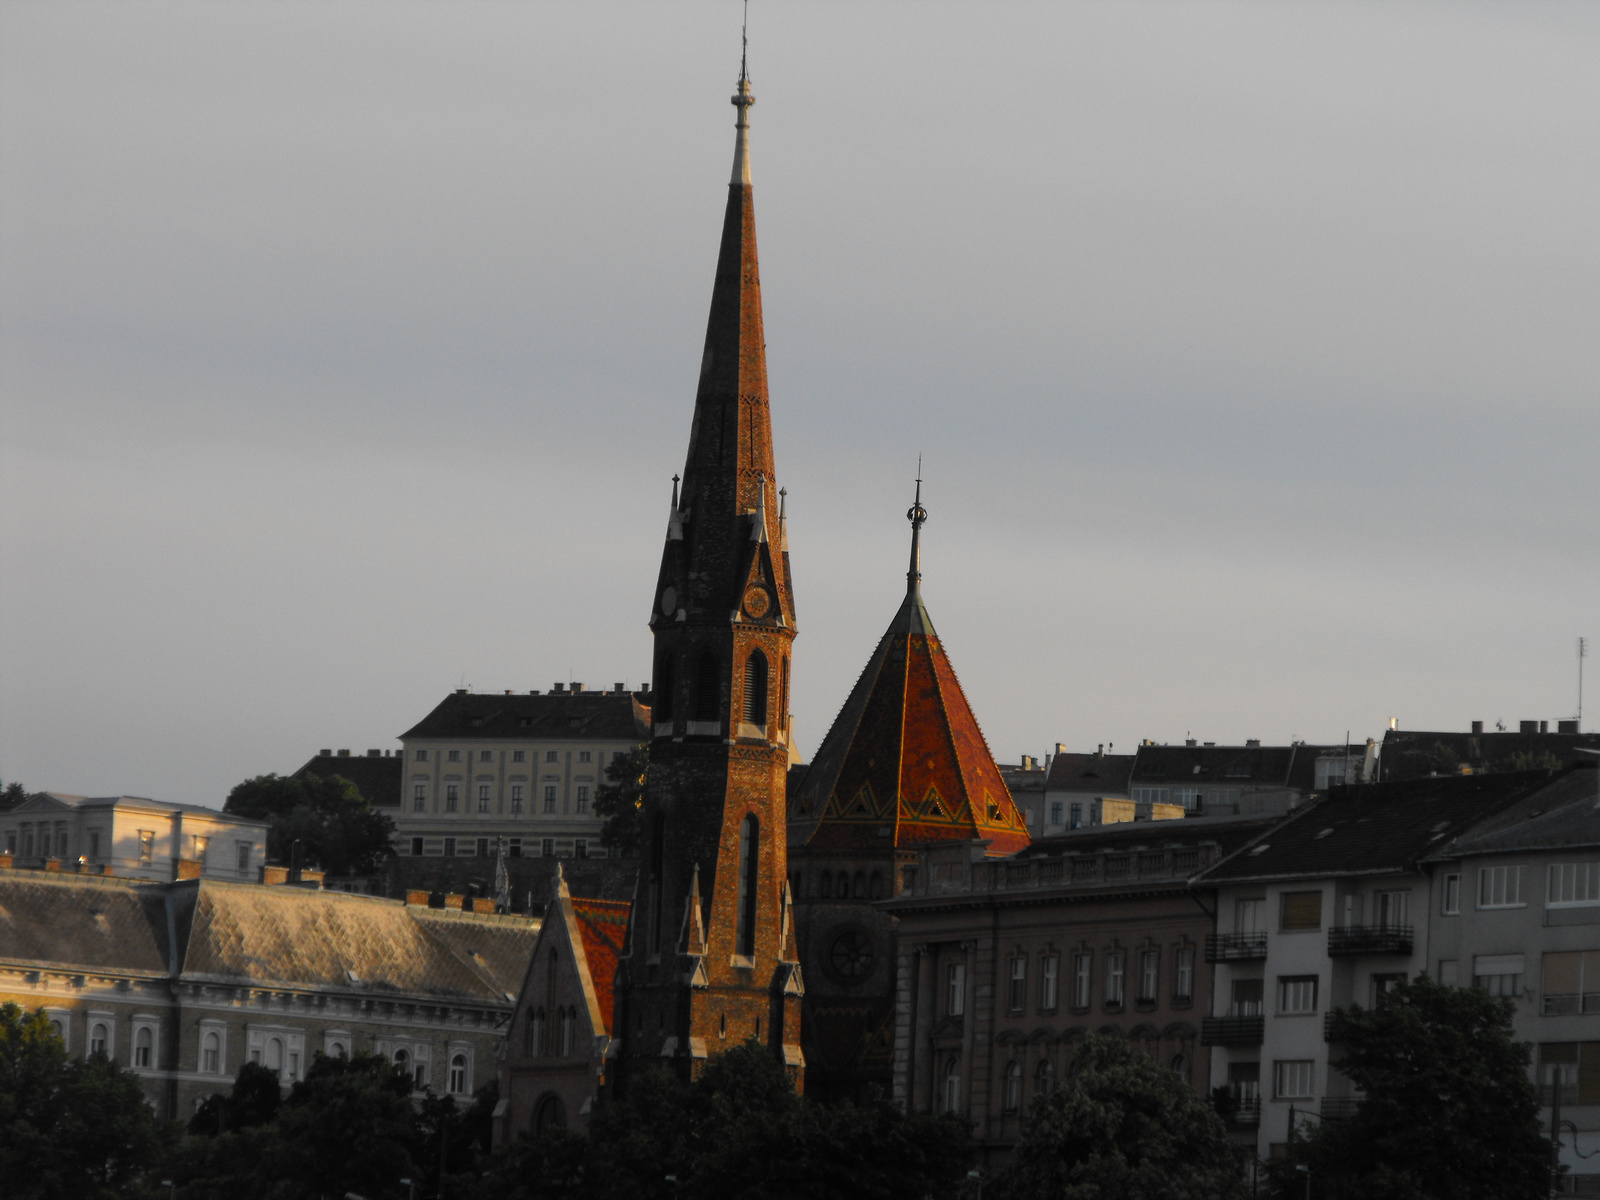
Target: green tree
x=620, y=800
x=12, y=795
x=336, y=828
x=1447, y=1108
x=253, y=1101
x=70, y=1128
x=1122, y=1127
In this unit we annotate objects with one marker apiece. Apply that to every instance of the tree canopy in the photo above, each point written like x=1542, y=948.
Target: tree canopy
x=1446, y=1110
x=620, y=799
x=1122, y=1127
x=70, y=1128
x=336, y=828
x=738, y=1132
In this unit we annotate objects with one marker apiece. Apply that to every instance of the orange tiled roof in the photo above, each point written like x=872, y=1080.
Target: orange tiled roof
x=905, y=761
x=602, y=924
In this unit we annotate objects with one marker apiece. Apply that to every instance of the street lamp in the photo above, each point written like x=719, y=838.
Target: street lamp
x=411, y=1188
x=976, y=1176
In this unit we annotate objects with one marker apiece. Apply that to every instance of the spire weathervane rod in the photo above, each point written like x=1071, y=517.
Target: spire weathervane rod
x=742, y=100
x=916, y=514
x=744, y=43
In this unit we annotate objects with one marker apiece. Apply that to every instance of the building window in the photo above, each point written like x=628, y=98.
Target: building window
x=749, y=870
x=1011, y=1099
x=1055, y=812
x=1246, y=998
x=1183, y=973
x=1018, y=992
x=147, y=845
x=1244, y=1083
x=458, y=1074
x=516, y=799
x=585, y=756
x=1077, y=816
x=1150, y=795
x=1498, y=974
x=519, y=756
x=144, y=1046
x=533, y=1035
x=514, y=848
x=453, y=756
x=1292, y=1078
x=1571, y=983
x=952, y=1086
x=452, y=797
x=1452, y=895
x=568, y=1023
x=1573, y=885
x=955, y=990
x=755, y=689
x=483, y=797
x=549, y=797
x=1392, y=909
x=583, y=799
x=1149, y=975
x=99, y=1038
x=551, y=756
x=94, y=843
x=422, y=756
x=580, y=847
x=1190, y=798
x=243, y=856
x=419, y=797
x=1082, y=967
x=1301, y=910
x=485, y=756
x=416, y=846
x=1116, y=965
x=200, y=845
x=1049, y=970
x=483, y=847
x=1500, y=887
x=547, y=847
x=449, y=847
x=1297, y=994
x=1383, y=984
x=1044, y=1078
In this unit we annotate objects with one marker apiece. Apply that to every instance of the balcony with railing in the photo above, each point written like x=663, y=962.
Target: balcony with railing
x=1347, y=940
x=1232, y=1031
x=1235, y=947
x=1246, y=1111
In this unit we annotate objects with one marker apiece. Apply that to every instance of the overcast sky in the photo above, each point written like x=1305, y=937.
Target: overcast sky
x=347, y=351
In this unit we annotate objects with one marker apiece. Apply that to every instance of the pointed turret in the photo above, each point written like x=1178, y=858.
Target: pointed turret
x=905, y=761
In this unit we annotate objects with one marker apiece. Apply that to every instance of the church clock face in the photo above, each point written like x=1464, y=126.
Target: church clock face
x=851, y=955
x=669, y=600
x=757, y=601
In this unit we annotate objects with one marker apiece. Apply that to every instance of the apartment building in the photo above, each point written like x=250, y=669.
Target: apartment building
x=522, y=768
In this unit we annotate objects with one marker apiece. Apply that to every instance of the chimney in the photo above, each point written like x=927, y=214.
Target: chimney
x=1100, y=750
x=461, y=691
x=1477, y=727
x=558, y=689
x=1189, y=742
x=324, y=753
x=533, y=691
x=576, y=687
x=1566, y=727
x=344, y=754
x=1252, y=741
x=1527, y=727
x=509, y=692
x=1544, y=726
x=619, y=688
x=1061, y=747
x=374, y=753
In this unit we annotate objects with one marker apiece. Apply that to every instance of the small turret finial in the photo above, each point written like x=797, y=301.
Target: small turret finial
x=742, y=100
x=916, y=514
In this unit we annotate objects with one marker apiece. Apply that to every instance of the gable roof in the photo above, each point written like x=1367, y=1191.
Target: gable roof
x=1102, y=774
x=1291, y=766
x=1562, y=815
x=602, y=925
x=905, y=762
x=83, y=923
x=609, y=715
x=1375, y=828
x=58, y=801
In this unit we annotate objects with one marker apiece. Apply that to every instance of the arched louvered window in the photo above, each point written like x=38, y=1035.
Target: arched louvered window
x=755, y=689
x=749, y=861
x=666, y=678
x=783, y=691
x=707, y=688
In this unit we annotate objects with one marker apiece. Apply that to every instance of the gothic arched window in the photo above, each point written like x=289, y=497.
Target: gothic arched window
x=707, y=688
x=143, y=1044
x=755, y=689
x=749, y=862
x=952, y=1086
x=1044, y=1079
x=1011, y=1100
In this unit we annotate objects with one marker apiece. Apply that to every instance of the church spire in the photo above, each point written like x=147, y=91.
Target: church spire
x=916, y=514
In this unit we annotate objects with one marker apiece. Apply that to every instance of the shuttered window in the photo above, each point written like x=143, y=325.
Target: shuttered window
x=1302, y=910
x=755, y=689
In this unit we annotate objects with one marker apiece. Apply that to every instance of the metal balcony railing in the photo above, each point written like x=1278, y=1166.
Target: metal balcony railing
x=1246, y=1112
x=1370, y=939
x=1232, y=1031
x=1235, y=947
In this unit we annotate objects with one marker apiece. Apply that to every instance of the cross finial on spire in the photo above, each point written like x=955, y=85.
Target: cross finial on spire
x=916, y=514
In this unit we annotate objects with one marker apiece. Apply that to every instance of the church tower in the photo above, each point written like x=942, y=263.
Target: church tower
x=710, y=960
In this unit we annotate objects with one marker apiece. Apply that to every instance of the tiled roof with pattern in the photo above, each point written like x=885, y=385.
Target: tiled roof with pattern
x=83, y=924
x=603, y=925
x=608, y=715
x=905, y=762
x=497, y=948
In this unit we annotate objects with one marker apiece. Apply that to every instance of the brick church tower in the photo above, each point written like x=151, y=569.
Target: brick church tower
x=710, y=959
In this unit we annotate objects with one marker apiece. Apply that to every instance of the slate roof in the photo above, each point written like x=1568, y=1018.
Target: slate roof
x=293, y=938
x=610, y=715
x=1375, y=828
x=378, y=776
x=906, y=755
x=1228, y=832
x=603, y=926
x=1235, y=766
x=1562, y=815
x=85, y=924
x=1102, y=774
x=1411, y=753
